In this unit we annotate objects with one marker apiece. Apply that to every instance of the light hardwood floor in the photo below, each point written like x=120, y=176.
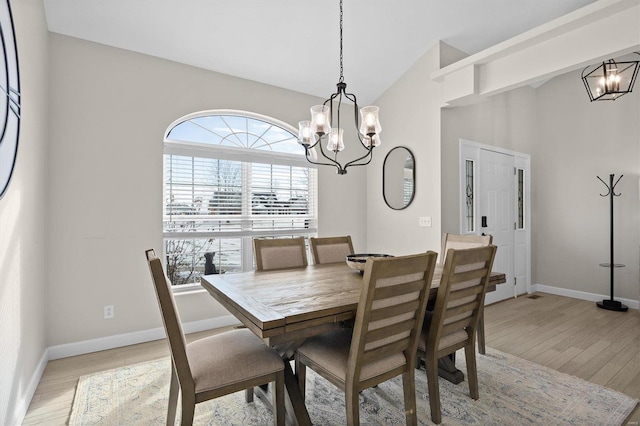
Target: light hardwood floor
x=569, y=335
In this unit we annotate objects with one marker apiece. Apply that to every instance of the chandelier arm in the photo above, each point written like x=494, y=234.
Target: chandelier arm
x=356, y=116
x=310, y=160
x=333, y=161
x=331, y=98
x=368, y=154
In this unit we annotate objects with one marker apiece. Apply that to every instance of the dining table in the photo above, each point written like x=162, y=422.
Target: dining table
x=285, y=307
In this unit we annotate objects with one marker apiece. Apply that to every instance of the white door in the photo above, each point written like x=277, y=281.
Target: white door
x=496, y=208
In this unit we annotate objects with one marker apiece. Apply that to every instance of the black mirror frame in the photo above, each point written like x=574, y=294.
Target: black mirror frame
x=413, y=177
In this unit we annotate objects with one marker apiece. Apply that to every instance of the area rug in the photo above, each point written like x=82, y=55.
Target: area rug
x=513, y=391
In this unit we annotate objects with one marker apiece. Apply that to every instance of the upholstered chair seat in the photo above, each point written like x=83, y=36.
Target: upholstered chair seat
x=217, y=368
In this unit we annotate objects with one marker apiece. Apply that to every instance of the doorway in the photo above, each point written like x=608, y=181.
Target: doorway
x=494, y=195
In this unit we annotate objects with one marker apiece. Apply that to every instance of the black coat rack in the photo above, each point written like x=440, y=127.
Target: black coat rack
x=611, y=304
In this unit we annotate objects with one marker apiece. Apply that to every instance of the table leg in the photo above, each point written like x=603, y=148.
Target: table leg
x=294, y=399
x=296, y=411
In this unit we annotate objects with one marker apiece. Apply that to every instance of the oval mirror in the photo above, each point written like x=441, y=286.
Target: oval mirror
x=398, y=178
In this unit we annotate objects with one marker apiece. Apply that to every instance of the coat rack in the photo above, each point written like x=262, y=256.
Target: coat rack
x=612, y=305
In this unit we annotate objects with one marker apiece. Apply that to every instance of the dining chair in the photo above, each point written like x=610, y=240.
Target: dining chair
x=456, y=241
x=279, y=253
x=330, y=249
x=383, y=341
x=213, y=366
x=453, y=324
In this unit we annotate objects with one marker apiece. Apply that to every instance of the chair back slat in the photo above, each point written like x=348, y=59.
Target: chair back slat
x=385, y=351
x=394, y=310
x=170, y=319
x=330, y=249
x=390, y=314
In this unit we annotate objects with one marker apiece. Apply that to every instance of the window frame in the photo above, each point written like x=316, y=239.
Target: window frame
x=247, y=156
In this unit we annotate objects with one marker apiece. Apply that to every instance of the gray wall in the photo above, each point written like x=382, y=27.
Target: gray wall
x=577, y=141
x=571, y=141
x=23, y=209
x=109, y=111
x=410, y=116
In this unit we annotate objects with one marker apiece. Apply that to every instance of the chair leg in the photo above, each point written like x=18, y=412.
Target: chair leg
x=301, y=374
x=278, y=400
x=472, y=371
x=480, y=332
x=188, y=408
x=409, y=388
x=174, y=388
x=352, y=401
x=431, y=365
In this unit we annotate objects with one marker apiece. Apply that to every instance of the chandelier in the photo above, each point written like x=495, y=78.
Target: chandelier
x=313, y=133
x=610, y=80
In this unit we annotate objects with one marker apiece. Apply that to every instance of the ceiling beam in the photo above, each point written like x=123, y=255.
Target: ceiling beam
x=601, y=30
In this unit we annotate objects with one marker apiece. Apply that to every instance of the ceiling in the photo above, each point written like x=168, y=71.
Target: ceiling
x=294, y=44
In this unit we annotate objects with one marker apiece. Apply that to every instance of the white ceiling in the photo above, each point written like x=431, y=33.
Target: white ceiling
x=294, y=44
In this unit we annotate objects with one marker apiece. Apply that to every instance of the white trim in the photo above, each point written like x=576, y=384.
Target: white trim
x=203, y=150
x=126, y=339
x=237, y=154
x=24, y=400
x=240, y=113
x=582, y=295
x=100, y=344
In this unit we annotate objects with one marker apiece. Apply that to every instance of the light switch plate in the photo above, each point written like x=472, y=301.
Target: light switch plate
x=424, y=221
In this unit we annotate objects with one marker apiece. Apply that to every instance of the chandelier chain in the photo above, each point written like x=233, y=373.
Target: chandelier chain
x=341, y=67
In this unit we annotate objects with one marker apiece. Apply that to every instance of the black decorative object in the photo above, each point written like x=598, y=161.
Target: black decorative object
x=10, y=102
x=209, y=266
x=358, y=261
x=324, y=126
x=612, y=305
x=610, y=80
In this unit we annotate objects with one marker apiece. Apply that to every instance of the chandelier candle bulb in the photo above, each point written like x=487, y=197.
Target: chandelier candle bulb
x=320, y=119
x=336, y=142
x=305, y=134
x=370, y=124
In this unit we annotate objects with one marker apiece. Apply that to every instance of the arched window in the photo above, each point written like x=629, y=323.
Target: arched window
x=230, y=176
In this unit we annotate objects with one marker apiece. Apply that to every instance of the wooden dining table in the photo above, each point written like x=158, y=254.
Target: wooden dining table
x=285, y=307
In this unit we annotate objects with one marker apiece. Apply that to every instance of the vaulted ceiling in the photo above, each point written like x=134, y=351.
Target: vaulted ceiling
x=294, y=44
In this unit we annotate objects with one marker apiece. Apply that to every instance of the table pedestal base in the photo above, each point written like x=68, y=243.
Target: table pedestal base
x=448, y=371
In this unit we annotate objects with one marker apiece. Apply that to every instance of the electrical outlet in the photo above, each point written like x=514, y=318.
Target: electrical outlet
x=109, y=311
x=424, y=221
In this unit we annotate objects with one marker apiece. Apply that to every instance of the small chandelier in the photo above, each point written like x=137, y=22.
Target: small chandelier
x=313, y=133
x=610, y=80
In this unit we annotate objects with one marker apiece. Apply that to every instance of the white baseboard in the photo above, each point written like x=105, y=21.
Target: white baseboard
x=22, y=405
x=94, y=345
x=592, y=297
x=126, y=339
